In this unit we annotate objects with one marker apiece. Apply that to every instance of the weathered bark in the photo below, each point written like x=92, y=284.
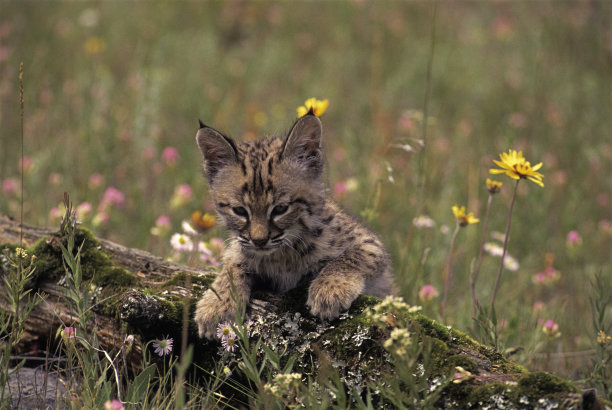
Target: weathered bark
x=153, y=305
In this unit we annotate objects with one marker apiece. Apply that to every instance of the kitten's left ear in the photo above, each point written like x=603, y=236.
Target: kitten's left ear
x=303, y=143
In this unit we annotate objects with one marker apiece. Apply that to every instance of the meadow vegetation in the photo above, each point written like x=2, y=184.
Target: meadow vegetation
x=422, y=99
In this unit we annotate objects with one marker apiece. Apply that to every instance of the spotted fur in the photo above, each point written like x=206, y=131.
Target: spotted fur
x=284, y=230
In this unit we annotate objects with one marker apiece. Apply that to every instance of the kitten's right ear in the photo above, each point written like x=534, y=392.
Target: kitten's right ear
x=217, y=150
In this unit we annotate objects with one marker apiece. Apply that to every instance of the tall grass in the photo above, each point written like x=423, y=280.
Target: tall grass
x=112, y=85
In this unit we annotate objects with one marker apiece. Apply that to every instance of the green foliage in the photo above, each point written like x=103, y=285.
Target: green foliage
x=17, y=271
x=601, y=374
x=93, y=387
x=140, y=387
x=97, y=265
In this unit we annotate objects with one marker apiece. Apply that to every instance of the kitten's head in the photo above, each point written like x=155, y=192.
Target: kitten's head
x=267, y=191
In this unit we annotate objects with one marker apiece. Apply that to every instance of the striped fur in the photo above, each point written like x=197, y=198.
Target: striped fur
x=283, y=229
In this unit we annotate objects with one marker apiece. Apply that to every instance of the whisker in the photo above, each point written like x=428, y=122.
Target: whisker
x=298, y=240
x=289, y=245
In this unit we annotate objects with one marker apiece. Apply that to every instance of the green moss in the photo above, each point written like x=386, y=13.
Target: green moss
x=476, y=396
x=169, y=311
x=437, y=347
x=526, y=390
x=442, y=332
x=432, y=328
x=198, y=283
x=441, y=360
x=362, y=303
x=508, y=367
x=539, y=383
x=96, y=264
x=458, y=341
x=107, y=302
x=462, y=361
x=113, y=276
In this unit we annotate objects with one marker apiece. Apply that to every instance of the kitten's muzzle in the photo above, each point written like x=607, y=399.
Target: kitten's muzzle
x=259, y=233
x=260, y=242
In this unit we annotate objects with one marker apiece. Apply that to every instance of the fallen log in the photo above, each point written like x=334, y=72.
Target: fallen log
x=143, y=294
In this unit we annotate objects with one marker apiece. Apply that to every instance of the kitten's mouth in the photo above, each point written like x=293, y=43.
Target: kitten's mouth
x=261, y=251
x=265, y=251
x=271, y=246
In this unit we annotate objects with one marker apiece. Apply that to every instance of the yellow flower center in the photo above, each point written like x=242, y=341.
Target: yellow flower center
x=522, y=169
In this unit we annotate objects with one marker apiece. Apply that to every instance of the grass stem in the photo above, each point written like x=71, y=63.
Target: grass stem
x=447, y=276
x=479, y=261
x=21, y=112
x=503, y=257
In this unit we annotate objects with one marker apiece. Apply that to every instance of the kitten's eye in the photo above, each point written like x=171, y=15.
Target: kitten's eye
x=279, y=210
x=240, y=211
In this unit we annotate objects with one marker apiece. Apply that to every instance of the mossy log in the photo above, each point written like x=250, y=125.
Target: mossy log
x=140, y=293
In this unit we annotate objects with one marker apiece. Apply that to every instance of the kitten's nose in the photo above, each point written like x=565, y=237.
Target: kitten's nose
x=259, y=242
x=259, y=232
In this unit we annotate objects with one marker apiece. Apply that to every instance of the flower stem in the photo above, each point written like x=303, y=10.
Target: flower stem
x=479, y=261
x=448, y=275
x=501, y=264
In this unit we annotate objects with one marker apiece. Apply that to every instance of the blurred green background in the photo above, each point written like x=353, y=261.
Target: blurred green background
x=113, y=92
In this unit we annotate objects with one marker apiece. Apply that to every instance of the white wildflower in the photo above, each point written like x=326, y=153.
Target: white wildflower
x=188, y=229
x=423, y=221
x=181, y=242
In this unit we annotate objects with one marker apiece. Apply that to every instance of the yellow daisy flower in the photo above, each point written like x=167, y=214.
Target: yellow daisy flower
x=318, y=107
x=462, y=218
x=517, y=167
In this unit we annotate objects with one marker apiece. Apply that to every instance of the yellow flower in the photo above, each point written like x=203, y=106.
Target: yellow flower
x=462, y=218
x=203, y=222
x=603, y=339
x=94, y=45
x=516, y=166
x=493, y=186
x=318, y=107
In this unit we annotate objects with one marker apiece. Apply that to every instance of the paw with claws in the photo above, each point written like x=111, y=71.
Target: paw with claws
x=211, y=310
x=329, y=294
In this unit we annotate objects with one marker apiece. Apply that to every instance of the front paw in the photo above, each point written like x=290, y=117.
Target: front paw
x=211, y=310
x=327, y=297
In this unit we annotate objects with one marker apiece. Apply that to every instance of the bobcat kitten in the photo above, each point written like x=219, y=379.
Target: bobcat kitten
x=283, y=229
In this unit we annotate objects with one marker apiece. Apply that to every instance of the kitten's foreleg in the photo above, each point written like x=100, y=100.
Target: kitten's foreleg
x=335, y=288
x=232, y=286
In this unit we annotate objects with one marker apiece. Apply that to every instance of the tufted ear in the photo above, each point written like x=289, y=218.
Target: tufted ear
x=217, y=150
x=303, y=144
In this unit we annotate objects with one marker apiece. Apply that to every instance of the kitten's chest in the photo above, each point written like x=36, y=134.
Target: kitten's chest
x=284, y=272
